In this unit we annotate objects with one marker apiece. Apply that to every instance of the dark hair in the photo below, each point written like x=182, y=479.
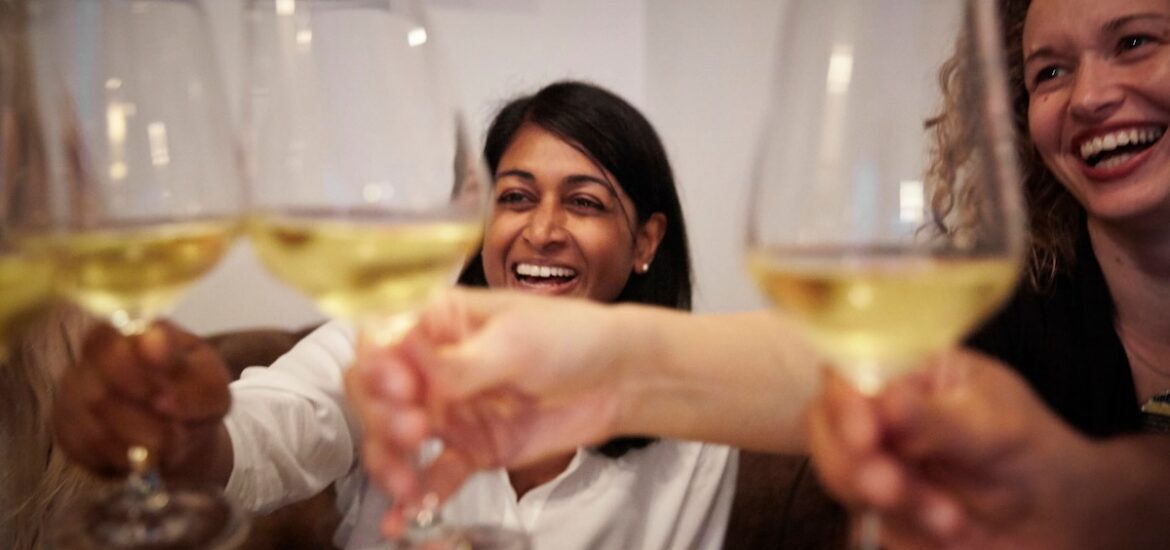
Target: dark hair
x=613, y=134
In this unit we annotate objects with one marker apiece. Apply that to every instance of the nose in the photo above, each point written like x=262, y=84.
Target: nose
x=1096, y=92
x=546, y=225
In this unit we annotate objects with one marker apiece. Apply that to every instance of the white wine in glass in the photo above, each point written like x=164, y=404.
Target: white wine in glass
x=354, y=268
x=886, y=217
x=366, y=194
x=134, y=274
x=877, y=313
x=146, y=190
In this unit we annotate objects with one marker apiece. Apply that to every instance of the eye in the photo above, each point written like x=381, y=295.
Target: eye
x=1133, y=42
x=1047, y=73
x=512, y=198
x=586, y=202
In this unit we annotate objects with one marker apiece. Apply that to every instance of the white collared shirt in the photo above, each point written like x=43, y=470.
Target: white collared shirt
x=292, y=436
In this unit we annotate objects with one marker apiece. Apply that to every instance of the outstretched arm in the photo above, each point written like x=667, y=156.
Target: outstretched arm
x=506, y=379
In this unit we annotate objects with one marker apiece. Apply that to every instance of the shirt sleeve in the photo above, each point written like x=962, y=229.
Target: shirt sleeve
x=292, y=433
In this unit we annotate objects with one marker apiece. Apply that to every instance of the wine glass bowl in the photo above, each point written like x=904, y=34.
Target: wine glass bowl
x=365, y=194
x=881, y=316
x=145, y=191
x=142, y=157
x=135, y=273
x=886, y=217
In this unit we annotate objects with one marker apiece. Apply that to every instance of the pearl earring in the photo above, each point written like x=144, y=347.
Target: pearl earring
x=645, y=267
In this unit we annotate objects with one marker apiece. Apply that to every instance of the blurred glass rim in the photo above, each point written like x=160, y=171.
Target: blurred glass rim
x=291, y=5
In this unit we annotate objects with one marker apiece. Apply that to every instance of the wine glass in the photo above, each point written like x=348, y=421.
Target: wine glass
x=886, y=217
x=145, y=188
x=25, y=271
x=366, y=195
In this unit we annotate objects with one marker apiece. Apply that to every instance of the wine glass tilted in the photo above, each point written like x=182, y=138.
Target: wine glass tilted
x=146, y=189
x=366, y=194
x=885, y=216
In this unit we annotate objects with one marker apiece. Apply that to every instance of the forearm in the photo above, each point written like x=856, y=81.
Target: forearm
x=741, y=379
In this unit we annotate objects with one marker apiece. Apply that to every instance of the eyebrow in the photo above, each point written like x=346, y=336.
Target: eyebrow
x=574, y=180
x=522, y=174
x=1116, y=24
x=1113, y=25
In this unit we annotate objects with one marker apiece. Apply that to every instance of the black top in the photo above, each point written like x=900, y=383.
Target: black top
x=1064, y=342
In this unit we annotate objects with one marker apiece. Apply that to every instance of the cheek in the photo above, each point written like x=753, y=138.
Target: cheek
x=497, y=237
x=609, y=251
x=1040, y=121
x=1045, y=117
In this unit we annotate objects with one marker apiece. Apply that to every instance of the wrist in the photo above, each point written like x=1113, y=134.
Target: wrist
x=657, y=394
x=626, y=334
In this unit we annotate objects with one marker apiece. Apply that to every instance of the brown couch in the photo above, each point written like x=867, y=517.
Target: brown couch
x=778, y=502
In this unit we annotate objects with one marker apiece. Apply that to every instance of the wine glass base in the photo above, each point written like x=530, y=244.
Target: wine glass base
x=476, y=537
x=174, y=519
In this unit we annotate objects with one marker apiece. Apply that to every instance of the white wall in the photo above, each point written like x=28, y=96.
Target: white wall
x=697, y=68
x=708, y=72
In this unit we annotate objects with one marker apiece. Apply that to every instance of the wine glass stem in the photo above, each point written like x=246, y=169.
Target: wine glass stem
x=144, y=480
x=145, y=484
x=869, y=530
x=130, y=323
x=380, y=333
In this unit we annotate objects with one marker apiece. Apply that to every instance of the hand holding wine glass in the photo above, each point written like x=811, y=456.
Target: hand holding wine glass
x=145, y=188
x=882, y=244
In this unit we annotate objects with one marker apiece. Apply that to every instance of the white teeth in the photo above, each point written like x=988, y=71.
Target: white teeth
x=543, y=271
x=1115, y=161
x=1121, y=138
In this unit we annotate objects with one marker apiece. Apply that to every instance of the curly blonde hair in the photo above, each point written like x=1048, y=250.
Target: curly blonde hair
x=1054, y=216
x=36, y=479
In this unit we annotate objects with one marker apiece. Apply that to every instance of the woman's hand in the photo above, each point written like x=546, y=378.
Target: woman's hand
x=502, y=379
x=165, y=390
x=961, y=455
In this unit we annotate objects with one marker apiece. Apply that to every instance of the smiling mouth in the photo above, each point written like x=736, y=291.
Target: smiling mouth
x=543, y=275
x=1113, y=149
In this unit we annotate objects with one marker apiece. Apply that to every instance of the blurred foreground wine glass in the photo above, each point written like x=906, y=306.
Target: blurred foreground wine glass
x=145, y=191
x=367, y=195
x=886, y=215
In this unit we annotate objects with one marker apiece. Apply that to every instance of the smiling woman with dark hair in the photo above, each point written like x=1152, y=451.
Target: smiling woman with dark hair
x=615, y=137
x=585, y=206
x=631, y=163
